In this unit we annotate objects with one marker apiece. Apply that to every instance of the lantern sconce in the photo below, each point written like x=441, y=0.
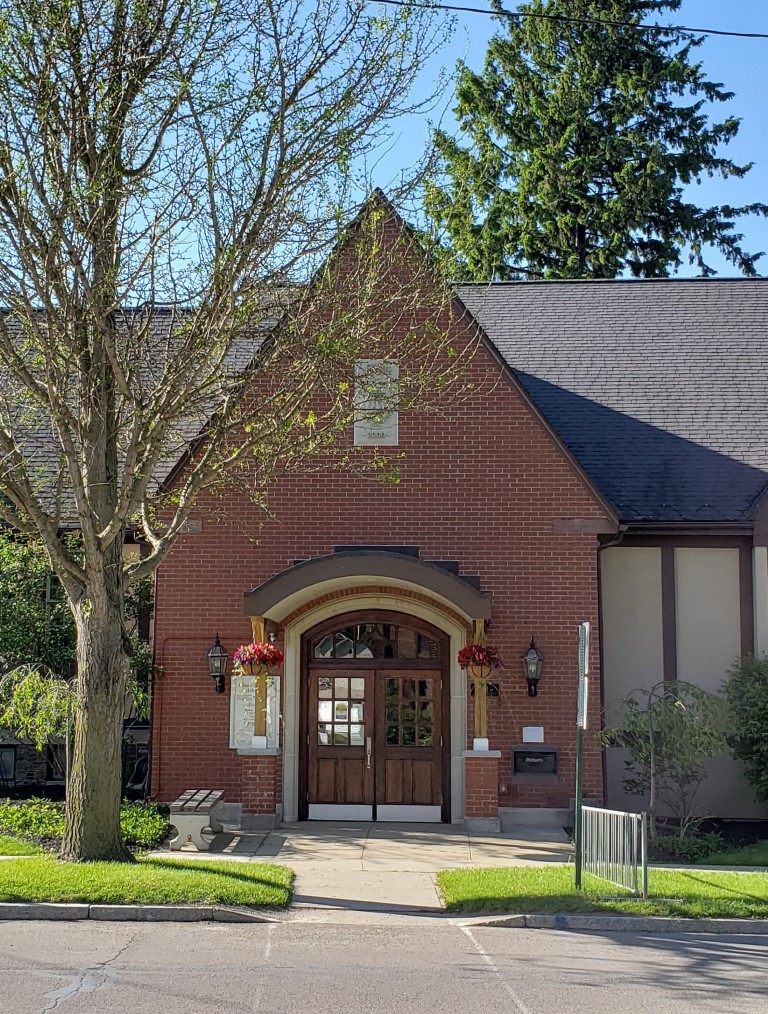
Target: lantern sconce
x=532, y=663
x=217, y=664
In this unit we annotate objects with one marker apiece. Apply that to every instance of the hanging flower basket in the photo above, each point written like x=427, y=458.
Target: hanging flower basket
x=479, y=660
x=257, y=658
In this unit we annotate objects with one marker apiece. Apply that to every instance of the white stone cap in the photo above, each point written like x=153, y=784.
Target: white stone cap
x=481, y=753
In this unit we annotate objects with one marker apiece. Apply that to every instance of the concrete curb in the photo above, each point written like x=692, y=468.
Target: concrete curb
x=129, y=913
x=226, y=914
x=42, y=910
x=621, y=924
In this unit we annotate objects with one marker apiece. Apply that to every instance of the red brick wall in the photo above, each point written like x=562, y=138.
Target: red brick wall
x=261, y=784
x=481, y=780
x=481, y=483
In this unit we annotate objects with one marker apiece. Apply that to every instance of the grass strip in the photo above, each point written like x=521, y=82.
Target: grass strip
x=147, y=882
x=691, y=894
x=746, y=855
x=16, y=847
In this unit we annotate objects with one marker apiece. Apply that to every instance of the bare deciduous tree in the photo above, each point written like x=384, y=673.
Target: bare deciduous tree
x=172, y=172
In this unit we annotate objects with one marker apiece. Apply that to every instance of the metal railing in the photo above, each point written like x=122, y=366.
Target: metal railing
x=615, y=847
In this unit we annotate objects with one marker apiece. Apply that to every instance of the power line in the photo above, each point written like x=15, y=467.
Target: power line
x=577, y=21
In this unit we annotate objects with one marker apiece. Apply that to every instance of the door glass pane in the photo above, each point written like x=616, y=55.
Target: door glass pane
x=425, y=688
x=407, y=642
x=364, y=646
x=341, y=686
x=341, y=735
x=324, y=648
x=393, y=711
x=388, y=643
x=345, y=647
x=408, y=711
x=325, y=688
x=341, y=711
x=356, y=735
x=427, y=648
x=409, y=735
x=392, y=689
x=425, y=725
x=358, y=687
x=325, y=711
x=393, y=735
x=409, y=688
x=324, y=734
x=356, y=713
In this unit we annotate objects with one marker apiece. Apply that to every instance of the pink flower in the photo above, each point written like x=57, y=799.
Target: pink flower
x=479, y=654
x=259, y=653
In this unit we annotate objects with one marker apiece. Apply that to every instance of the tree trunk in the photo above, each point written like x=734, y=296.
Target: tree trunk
x=94, y=790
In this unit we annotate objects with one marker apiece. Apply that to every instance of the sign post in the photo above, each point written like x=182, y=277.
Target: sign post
x=581, y=724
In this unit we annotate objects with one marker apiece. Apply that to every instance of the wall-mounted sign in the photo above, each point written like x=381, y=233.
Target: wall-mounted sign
x=583, y=688
x=533, y=733
x=242, y=713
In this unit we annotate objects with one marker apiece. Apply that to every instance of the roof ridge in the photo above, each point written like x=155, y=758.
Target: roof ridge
x=609, y=281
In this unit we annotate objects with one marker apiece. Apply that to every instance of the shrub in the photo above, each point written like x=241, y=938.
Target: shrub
x=688, y=848
x=36, y=819
x=747, y=693
x=671, y=731
x=144, y=825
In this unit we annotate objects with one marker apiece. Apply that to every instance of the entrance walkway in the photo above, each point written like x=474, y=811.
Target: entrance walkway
x=377, y=866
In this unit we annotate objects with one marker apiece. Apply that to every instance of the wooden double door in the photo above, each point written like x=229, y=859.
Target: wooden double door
x=375, y=723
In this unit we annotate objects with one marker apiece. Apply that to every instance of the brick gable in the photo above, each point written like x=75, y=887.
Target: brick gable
x=482, y=483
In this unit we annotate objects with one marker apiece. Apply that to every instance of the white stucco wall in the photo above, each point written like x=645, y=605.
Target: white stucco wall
x=632, y=635
x=708, y=615
x=708, y=641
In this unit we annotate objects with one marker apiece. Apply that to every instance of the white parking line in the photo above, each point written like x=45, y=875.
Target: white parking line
x=492, y=965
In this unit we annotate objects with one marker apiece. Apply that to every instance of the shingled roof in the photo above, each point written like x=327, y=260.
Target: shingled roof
x=657, y=387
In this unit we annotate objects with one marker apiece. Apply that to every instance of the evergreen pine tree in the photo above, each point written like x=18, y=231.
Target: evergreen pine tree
x=576, y=142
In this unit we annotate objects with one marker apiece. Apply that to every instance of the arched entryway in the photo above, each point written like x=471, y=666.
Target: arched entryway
x=374, y=719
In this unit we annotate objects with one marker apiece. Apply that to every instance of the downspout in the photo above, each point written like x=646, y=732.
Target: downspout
x=153, y=708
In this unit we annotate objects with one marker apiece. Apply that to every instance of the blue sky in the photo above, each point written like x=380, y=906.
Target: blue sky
x=740, y=64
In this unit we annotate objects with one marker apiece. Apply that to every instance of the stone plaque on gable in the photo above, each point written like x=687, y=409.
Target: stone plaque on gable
x=376, y=418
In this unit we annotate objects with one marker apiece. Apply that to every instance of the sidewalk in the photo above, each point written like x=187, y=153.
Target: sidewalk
x=380, y=867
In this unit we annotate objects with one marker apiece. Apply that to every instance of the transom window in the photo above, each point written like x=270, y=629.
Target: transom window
x=375, y=640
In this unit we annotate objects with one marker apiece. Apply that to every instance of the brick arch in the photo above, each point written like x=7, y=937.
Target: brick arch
x=342, y=596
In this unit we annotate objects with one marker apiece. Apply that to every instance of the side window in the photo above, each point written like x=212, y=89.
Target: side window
x=7, y=766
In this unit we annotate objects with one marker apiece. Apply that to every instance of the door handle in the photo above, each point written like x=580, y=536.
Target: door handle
x=368, y=749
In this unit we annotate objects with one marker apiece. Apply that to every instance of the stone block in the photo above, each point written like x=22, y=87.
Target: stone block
x=42, y=910
x=151, y=913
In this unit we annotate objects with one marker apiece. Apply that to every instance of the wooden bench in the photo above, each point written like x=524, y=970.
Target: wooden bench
x=192, y=811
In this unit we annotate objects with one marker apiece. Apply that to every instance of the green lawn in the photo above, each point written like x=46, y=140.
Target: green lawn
x=15, y=847
x=550, y=889
x=147, y=882
x=747, y=855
